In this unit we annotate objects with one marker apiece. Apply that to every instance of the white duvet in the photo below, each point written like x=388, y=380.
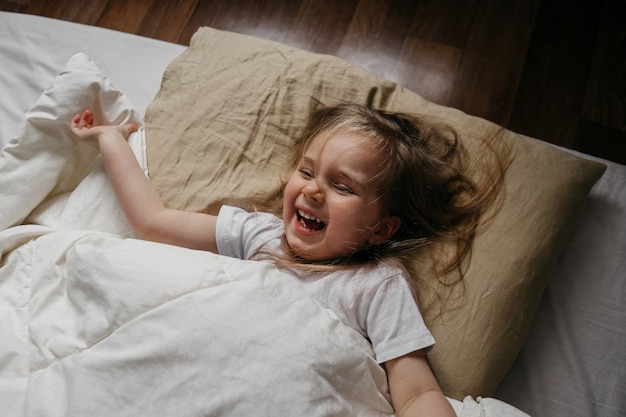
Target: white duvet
x=96, y=323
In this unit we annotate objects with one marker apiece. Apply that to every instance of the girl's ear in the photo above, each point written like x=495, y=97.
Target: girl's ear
x=386, y=229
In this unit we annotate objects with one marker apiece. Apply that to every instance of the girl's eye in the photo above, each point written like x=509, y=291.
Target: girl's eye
x=344, y=189
x=307, y=173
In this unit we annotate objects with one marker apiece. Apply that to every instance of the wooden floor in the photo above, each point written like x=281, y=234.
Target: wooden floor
x=551, y=69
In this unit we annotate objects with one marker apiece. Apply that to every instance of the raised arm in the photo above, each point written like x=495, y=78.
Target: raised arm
x=414, y=389
x=140, y=201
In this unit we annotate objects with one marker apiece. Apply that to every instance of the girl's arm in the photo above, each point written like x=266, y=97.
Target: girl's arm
x=140, y=201
x=414, y=389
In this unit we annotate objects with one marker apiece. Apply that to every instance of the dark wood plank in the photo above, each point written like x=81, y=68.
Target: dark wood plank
x=429, y=69
x=263, y=18
x=319, y=28
x=308, y=24
x=602, y=141
x=16, y=6
x=167, y=21
x=376, y=35
x=605, y=97
x=124, y=16
x=551, y=93
x=602, y=128
x=433, y=49
x=443, y=22
x=79, y=11
x=493, y=57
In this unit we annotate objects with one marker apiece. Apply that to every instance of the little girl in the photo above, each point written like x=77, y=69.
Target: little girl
x=367, y=187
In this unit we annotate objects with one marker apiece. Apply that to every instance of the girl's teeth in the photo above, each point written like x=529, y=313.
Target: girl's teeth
x=308, y=217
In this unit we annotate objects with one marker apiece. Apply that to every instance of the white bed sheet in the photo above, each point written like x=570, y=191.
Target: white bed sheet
x=574, y=363
x=33, y=49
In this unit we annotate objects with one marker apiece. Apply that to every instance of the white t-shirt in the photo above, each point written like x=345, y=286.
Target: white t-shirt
x=374, y=299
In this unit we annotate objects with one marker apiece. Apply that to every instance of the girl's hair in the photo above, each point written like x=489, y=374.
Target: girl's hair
x=424, y=178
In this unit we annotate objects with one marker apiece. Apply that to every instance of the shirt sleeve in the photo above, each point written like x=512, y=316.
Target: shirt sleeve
x=228, y=231
x=394, y=323
x=239, y=234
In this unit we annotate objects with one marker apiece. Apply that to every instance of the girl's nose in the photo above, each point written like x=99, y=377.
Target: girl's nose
x=312, y=190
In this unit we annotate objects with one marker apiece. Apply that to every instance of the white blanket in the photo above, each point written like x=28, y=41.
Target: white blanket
x=95, y=322
x=126, y=327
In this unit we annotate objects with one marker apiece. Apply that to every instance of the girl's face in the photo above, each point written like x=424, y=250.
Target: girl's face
x=331, y=207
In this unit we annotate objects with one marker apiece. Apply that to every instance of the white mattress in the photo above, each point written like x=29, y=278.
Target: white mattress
x=574, y=363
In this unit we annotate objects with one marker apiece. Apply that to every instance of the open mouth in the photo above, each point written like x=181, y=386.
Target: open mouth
x=309, y=222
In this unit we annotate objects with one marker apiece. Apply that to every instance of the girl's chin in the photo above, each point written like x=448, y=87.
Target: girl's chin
x=302, y=249
x=299, y=248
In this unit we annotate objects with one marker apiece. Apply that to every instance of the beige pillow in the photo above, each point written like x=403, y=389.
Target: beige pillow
x=220, y=131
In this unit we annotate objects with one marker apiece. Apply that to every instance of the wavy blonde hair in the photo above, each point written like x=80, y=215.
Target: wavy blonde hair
x=425, y=179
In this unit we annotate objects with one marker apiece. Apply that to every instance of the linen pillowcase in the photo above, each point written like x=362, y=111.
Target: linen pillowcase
x=221, y=129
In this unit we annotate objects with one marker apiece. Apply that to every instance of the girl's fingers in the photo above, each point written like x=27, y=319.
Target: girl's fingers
x=88, y=117
x=86, y=120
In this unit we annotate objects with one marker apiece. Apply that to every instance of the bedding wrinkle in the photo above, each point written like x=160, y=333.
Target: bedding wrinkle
x=246, y=331
x=92, y=295
x=15, y=289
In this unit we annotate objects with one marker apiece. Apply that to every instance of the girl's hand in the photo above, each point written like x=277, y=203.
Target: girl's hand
x=85, y=131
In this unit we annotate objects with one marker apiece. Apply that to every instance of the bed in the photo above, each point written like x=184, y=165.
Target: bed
x=95, y=321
